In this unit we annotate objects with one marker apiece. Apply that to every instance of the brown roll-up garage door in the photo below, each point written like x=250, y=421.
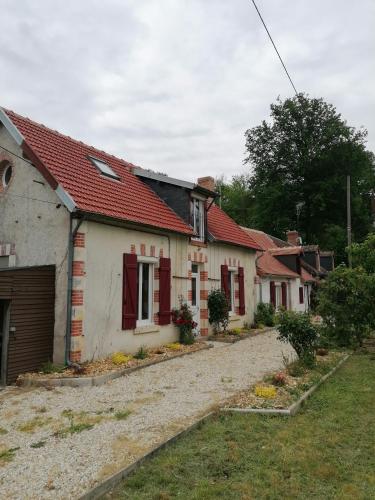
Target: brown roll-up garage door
x=30, y=295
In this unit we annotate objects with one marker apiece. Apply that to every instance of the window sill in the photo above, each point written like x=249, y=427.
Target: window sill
x=146, y=329
x=198, y=243
x=234, y=317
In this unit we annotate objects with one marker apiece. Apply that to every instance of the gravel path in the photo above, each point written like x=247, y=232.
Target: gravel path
x=56, y=457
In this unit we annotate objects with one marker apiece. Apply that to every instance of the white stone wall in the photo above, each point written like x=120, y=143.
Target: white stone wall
x=36, y=225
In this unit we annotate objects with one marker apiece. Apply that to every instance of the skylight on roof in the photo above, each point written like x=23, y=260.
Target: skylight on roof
x=103, y=167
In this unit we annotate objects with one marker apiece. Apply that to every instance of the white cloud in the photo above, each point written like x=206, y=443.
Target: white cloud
x=173, y=84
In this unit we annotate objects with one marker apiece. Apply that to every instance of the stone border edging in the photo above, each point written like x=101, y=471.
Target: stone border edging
x=293, y=408
x=99, y=379
x=234, y=339
x=112, y=481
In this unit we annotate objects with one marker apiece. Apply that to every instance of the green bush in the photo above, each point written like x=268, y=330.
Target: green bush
x=297, y=330
x=265, y=314
x=346, y=304
x=142, y=353
x=218, y=310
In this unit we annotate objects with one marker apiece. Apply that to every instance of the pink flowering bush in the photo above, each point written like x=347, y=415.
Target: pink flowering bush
x=183, y=319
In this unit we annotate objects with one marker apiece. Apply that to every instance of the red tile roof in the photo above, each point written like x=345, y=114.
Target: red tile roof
x=286, y=251
x=262, y=239
x=66, y=161
x=224, y=229
x=306, y=276
x=268, y=265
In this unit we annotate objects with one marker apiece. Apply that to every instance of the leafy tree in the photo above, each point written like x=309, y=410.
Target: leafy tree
x=300, y=160
x=237, y=200
x=346, y=304
x=218, y=310
x=363, y=254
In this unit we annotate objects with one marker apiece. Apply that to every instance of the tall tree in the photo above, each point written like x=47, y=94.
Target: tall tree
x=299, y=161
x=237, y=200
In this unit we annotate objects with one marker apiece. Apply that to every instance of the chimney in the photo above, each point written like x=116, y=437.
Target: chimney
x=207, y=183
x=293, y=238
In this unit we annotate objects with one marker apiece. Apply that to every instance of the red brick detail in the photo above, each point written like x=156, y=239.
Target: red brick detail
x=77, y=297
x=237, y=294
x=143, y=249
x=161, y=253
x=152, y=250
x=204, y=295
x=204, y=332
x=75, y=356
x=206, y=259
x=156, y=296
x=78, y=268
x=79, y=240
x=76, y=328
x=201, y=257
x=204, y=275
x=156, y=273
x=237, y=311
x=132, y=249
x=195, y=257
x=156, y=318
x=189, y=256
x=190, y=295
x=236, y=278
x=204, y=313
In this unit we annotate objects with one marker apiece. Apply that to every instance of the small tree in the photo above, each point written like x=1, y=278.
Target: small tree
x=265, y=314
x=297, y=330
x=346, y=304
x=364, y=254
x=218, y=309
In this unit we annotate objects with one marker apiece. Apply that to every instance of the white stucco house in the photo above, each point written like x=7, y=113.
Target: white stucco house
x=95, y=252
x=281, y=277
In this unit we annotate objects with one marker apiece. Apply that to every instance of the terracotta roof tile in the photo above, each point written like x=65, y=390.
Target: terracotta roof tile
x=224, y=229
x=268, y=265
x=127, y=199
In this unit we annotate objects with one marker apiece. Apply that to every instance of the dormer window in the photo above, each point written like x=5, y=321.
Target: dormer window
x=197, y=218
x=103, y=167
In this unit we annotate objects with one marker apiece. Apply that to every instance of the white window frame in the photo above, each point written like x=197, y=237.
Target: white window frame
x=278, y=296
x=231, y=273
x=140, y=264
x=201, y=235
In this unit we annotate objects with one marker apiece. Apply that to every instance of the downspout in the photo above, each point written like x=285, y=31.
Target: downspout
x=68, y=337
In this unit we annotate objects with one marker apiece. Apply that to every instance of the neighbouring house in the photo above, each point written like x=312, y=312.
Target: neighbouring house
x=281, y=279
x=95, y=252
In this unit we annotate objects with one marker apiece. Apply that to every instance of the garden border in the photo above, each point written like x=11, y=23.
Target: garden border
x=232, y=340
x=112, y=481
x=296, y=406
x=97, y=380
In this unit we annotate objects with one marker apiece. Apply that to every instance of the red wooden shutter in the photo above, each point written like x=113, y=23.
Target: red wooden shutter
x=241, y=288
x=273, y=293
x=301, y=300
x=224, y=280
x=283, y=295
x=129, y=292
x=165, y=291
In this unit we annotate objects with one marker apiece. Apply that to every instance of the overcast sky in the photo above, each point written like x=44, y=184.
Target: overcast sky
x=172, y=85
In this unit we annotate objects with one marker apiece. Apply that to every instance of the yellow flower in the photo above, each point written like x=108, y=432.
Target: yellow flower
x=175, y=346
x=119, y=358
x=267, y=392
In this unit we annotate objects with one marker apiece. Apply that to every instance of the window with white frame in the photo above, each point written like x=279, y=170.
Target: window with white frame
x=197, y=217
x=145, y=293
x=231, y=292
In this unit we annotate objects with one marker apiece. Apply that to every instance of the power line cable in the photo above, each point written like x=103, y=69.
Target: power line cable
x=274, y=46
x=16, y=155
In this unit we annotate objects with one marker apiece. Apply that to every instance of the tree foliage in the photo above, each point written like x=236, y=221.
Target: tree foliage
x=346, y=304
x=298, y=164
x=363, y=254
x=296, y=329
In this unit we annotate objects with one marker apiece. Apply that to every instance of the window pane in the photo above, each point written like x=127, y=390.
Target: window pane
x=194, y=268
x=230, y=289
x=145, y=291
x=194, y=291
x=197, y=223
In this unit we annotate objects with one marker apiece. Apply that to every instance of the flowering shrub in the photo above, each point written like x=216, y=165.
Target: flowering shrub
x=119, y=358
x=267, y=392
x=279, y=379
x=183, y=319
x=175, y=346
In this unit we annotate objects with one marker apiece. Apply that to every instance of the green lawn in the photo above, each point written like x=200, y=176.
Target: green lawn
x=327, y=451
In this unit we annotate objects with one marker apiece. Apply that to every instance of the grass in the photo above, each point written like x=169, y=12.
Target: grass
x=7, y=455
x=325, y=452
x=34, y=423
x=122, y=415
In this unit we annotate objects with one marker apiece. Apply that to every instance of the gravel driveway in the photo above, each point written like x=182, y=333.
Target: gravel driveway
x=56, y=454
